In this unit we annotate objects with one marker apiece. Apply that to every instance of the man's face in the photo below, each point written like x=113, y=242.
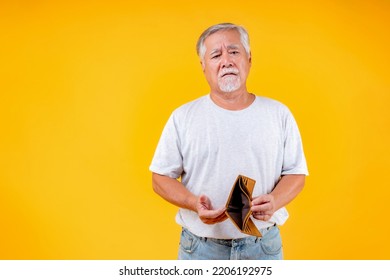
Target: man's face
x=226, y=64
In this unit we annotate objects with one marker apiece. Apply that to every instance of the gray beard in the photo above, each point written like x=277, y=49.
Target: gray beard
x=229, y=84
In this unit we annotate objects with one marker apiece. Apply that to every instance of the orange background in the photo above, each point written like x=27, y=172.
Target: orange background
x=86, y=89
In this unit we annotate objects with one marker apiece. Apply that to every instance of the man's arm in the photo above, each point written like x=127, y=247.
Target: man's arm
x=289, y=186
x=176, y=193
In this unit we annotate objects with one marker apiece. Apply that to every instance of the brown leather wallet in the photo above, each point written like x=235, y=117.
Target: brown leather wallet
x=238, y=206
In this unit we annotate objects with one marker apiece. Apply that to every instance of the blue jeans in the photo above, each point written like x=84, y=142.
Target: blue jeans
x=268, y=247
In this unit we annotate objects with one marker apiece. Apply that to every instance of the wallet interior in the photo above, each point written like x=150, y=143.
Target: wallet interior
x=239, y=204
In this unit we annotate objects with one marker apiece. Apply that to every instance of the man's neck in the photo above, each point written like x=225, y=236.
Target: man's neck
x=232, y=100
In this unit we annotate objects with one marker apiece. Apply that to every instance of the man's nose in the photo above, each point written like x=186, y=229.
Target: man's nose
x=226, y=60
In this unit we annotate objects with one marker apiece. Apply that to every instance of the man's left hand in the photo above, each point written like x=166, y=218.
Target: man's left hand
x=263, y=207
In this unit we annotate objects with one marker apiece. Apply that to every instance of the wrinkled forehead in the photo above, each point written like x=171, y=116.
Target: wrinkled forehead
x=219, y=49
x=229, y=39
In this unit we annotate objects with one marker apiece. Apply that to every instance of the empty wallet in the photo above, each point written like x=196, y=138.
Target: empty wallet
x=238, y=206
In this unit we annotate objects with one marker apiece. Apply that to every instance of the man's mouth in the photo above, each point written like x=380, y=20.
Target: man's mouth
x=229, y=74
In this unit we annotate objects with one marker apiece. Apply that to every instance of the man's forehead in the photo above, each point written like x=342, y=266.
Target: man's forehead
x=225, y=38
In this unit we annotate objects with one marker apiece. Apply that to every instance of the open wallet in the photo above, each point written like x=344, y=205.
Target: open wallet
x=239, y=203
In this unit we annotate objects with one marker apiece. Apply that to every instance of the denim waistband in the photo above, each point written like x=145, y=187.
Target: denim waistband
x=231, y=242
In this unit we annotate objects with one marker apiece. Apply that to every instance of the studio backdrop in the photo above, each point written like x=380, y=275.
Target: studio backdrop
x=87, y=86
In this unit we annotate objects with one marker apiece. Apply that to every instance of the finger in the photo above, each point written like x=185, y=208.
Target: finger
x=263, y=216
x=204, y=202
x=259, y=216
x=261, y=199
x=222, y=217
x=262, y=207
x=216, y=220
x=212, y=214
x=266, y=217
x=263, y=213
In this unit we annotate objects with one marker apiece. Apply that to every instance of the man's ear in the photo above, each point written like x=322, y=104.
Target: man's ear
x=202, y=64
x=250, y=58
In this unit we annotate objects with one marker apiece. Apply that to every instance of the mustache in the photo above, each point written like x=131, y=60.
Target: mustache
x=225, y=71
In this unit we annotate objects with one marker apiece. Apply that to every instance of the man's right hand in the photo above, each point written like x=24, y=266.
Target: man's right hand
x=176, y=193
x=207, y=214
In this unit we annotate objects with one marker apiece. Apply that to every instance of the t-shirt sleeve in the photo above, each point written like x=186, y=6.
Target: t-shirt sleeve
x=294, y=161
x=167, y=159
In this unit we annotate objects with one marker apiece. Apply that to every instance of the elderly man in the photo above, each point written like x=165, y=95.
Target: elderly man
x=208, y=142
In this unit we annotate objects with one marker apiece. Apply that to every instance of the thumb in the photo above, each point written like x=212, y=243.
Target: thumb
x=204, y=202
x=203, y=198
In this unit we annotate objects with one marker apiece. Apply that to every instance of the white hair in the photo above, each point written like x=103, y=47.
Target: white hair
x=244, y=37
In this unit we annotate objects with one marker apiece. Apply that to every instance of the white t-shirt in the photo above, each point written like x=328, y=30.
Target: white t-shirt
x=208, y=147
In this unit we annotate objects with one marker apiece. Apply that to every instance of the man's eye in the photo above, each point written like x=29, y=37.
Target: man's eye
x=234, y=52
x=215, y=56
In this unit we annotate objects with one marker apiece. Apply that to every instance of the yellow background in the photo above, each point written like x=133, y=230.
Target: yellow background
x=87, y=86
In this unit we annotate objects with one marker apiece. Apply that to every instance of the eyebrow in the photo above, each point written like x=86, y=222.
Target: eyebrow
x=233, y=47
x=214, y=51
x=230, y=47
